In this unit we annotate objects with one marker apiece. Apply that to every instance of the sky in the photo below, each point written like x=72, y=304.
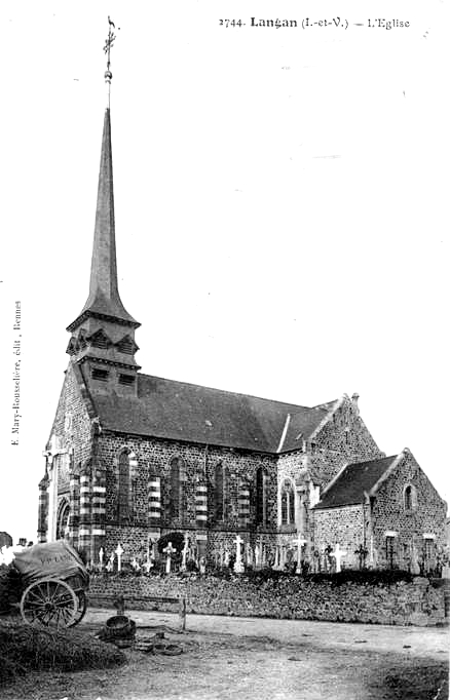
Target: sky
x=282, y=215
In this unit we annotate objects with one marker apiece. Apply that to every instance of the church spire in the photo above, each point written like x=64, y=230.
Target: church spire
x=104, y=299
x=104, y=330
x=103, y=285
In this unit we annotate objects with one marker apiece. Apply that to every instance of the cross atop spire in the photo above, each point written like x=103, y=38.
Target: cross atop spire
x=107, y=49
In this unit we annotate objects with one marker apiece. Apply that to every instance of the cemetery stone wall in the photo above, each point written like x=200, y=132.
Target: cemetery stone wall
x=288, y=597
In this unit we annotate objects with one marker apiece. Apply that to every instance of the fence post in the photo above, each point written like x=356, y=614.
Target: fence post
x=182, y=614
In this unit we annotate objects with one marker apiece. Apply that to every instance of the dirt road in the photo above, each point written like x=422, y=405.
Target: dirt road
x=420, y=641
x=259, y=659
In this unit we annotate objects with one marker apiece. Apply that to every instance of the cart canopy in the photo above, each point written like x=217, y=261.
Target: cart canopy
x=50, y=560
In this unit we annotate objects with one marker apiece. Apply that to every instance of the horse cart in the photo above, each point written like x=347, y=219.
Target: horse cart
x=55, y=582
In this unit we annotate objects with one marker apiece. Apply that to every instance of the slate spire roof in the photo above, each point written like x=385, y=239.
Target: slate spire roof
x=104, y=299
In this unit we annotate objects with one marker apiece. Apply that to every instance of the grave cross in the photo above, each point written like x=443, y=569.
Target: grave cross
x=277, y=558
x=248, y=554
x=221, y=555
x=169, y=550
x=119, y=552
x=185, y=550
x=337, y=554
x=257, y=556
x=299, y=542
x=110, y=565
x=148, y=564
x=238, y=567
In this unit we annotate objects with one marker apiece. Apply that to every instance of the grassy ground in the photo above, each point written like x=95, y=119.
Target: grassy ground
x=225, y=666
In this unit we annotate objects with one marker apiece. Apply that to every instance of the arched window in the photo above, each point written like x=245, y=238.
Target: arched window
x=220, y=487
x=260, y=497
x=62, y=524
x=177, y=494
x=287, y=503
x=123, y=487
x=410, y=497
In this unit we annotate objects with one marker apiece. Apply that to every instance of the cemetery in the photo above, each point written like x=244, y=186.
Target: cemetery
x=170, y=574
x=241, y=587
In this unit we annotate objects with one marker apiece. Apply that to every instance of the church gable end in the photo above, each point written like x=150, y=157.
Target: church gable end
x=407, y=504
x=343, y=438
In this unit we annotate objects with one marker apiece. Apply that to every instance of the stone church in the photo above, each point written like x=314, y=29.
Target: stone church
x=132, y=457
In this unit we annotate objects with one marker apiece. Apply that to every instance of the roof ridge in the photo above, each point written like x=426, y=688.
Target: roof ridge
x=377, y=459
x=227, y=391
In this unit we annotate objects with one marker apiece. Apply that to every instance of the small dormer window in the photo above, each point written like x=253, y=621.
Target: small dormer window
x=100, y=340
x=127, y=345
x=101, y=375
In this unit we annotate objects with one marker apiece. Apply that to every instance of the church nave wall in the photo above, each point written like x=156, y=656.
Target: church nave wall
x=239, y=490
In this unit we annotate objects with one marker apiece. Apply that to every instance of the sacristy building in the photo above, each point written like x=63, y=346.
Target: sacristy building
x=132, y=456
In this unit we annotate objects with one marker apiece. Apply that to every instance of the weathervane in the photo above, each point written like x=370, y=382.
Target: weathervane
x=107, y=48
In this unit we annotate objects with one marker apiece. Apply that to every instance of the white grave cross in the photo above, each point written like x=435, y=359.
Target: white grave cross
x=299, y=542
x=168, y=551
x=257, y=556
x=185, y=550
x=119, y=552
x=110, y=565
x=238, y=567
x=337, y=554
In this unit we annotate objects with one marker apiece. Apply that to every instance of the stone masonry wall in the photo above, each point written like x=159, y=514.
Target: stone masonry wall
x=344, y=439
x=289, y=597
x=72, y=425
x=427, y=516
x=154, y=456
x=71, y=433
x=343, y=526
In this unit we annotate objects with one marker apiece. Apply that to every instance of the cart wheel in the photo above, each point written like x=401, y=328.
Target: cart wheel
x=82, y=602
x=49, y=602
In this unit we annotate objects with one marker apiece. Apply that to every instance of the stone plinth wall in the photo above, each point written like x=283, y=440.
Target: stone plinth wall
x=289, y=597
